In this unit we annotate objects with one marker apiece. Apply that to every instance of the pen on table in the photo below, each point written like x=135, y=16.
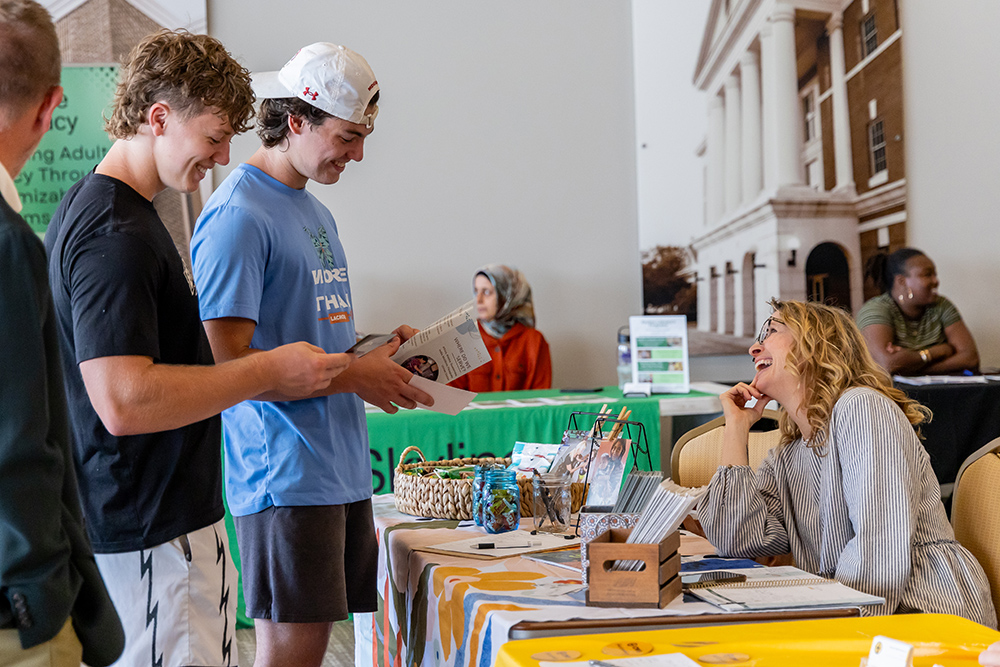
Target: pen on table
x=493, y=545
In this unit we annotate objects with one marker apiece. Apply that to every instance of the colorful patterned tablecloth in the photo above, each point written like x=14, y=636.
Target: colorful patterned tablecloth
x=439, y=610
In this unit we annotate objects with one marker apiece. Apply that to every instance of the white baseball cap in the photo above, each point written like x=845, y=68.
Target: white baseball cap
x=330, y=77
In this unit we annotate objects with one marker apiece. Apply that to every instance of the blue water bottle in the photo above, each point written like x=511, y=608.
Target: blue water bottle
x=624, y=357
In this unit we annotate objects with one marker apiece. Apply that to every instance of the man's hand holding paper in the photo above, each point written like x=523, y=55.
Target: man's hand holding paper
x=382, y=382
x=445, y=350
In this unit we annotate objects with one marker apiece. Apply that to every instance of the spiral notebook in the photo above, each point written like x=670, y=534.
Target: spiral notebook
x=783, y=587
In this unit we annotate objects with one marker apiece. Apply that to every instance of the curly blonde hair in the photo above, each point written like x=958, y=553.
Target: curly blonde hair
x=829, y=356
x=189, y=72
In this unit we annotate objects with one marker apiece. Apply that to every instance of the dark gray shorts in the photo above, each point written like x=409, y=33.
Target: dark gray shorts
x=309, y=564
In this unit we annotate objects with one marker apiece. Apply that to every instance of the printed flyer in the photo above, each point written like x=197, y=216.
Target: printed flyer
x=660, y=352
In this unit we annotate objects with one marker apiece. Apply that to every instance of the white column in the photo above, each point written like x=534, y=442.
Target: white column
x=787, y=111
x=720, y=295
x=704, y=298
x=733, y=143
x=752, y=161
x=737, y=300
x=842, y=155
x=716, y=150
x=767, y=108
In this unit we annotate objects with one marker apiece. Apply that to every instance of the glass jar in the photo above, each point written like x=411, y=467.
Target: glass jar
x=501, y=505
x=551, y=509
x=478, y=481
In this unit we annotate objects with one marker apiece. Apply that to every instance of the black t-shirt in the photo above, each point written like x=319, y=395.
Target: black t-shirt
x=120, y=288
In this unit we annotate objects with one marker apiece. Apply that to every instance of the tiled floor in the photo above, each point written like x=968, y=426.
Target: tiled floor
x=340, y=652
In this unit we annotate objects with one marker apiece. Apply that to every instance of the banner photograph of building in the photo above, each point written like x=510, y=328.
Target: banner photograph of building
x=803, y=156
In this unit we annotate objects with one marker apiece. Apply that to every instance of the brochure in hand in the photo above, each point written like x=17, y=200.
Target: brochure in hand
x=447, y=349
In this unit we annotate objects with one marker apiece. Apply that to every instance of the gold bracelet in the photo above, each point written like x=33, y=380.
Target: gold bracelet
x=925, y=355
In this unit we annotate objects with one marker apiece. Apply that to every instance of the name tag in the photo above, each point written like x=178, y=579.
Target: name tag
x=886, y=652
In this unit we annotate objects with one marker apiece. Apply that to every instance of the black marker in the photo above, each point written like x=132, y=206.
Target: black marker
x=493, y=545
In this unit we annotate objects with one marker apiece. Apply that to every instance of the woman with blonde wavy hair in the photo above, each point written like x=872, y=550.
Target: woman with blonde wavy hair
x=849, y=491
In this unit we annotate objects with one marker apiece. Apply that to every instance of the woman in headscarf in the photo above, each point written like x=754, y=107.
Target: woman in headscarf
x=519, y=354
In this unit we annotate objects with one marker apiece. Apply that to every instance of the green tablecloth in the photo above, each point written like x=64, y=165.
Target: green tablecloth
x=492, y=432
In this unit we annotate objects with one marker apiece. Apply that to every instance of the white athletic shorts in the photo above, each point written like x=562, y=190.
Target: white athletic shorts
x=177, y=601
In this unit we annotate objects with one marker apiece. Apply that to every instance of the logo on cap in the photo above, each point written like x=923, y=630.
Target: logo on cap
x=310, y=93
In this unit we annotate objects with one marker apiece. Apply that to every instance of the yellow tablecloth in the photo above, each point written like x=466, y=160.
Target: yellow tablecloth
x=938, y=639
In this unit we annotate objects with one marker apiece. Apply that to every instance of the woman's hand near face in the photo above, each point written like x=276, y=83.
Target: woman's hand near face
x=739, y=419
x=734, y=405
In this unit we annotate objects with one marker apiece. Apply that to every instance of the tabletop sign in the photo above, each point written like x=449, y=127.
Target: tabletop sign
x=886, y=652
x=556, y=656
x=660, y=353
x=627, y=648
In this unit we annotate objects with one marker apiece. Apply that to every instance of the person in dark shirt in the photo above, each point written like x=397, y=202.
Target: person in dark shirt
x=54, y=608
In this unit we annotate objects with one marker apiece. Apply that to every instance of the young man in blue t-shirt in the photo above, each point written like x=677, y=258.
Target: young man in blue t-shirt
x=270, y=268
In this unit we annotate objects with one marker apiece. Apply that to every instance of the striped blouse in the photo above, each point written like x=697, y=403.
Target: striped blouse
x=867, y=512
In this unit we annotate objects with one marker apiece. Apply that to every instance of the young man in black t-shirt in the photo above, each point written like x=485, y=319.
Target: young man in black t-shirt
x=143, y=391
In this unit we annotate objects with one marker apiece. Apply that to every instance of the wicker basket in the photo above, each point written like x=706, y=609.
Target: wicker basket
x=433, y=496
x=452, y=498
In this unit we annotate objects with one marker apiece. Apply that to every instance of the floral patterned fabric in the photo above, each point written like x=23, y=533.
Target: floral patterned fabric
x=448, y=611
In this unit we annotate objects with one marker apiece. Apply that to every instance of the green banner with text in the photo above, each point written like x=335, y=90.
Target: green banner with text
x=74, y=144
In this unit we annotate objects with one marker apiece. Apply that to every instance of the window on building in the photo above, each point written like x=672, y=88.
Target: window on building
x=876, y=145
x=814, y=174
x=809, y=116
x=869, y=35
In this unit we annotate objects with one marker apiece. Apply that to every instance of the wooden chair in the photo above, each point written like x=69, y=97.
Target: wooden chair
x=695, y=457
x=974, y=511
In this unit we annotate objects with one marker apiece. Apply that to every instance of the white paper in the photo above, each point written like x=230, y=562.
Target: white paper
x=549, y=591
x=887, y=652
x=525, y=541
x=665, y=660
x=921, y=380
x=447, y=400
x=447, y=349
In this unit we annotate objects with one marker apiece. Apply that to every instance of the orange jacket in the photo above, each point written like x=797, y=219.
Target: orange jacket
x=519, y=360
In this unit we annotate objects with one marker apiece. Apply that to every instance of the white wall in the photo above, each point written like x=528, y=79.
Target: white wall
x=951, y=94
x=506, y=134
x=671, y=120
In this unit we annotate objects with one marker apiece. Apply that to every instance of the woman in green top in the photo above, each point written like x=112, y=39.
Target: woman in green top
x=910, y=328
